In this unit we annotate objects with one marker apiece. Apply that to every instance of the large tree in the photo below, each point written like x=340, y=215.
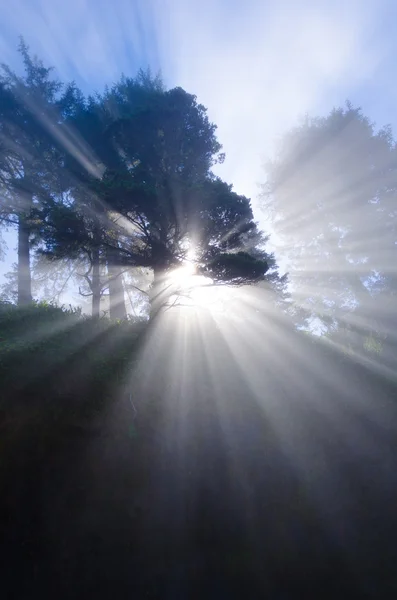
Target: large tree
x=330, y=192
x=173, y=208
x=120, y=180
x=145, y=195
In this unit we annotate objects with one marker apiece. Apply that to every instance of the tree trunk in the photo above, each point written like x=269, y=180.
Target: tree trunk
x=24, y=275
x=117, y=309
x=96, y=283
x=158, y=293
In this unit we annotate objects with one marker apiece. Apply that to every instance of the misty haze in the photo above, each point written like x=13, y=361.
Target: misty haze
x=198, y=299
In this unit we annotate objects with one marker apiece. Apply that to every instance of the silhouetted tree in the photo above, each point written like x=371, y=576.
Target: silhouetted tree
x=174, y=209
x=28, y=156
x=145, y=196
x=120, y=180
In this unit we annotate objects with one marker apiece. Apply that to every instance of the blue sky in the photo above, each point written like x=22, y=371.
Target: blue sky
x=256, y=65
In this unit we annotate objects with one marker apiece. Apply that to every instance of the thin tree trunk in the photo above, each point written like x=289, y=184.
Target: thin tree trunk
x=117, y=309
x=24, y=275
x=159, y=293
x=96, y=283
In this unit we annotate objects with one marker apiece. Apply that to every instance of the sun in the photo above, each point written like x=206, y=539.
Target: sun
x=193, y=290
x=188, y=284
x=184, y=275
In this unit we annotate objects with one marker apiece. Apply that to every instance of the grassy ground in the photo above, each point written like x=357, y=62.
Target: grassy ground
x=237, y=486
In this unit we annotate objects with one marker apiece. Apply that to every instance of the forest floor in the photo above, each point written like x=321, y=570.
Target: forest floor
x=216, y=478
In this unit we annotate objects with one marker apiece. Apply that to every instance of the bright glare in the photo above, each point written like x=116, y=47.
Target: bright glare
x=196, y=291
x=184, y=276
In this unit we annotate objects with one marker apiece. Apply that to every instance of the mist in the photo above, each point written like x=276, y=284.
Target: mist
x=198, y=348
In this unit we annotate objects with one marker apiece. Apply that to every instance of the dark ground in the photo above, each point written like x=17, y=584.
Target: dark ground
x=246, y=479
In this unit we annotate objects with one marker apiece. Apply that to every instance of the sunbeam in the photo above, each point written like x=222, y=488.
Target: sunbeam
x=198, y=284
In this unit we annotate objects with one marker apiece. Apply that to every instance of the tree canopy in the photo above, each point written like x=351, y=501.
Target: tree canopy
x=330, y=192
x=120, y=180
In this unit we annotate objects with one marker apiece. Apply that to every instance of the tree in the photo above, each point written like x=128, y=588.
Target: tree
x=330, y=193
x=173, y=208
x=145, y=196
x=28, y=157
x=76, y=224
x=119, y=181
